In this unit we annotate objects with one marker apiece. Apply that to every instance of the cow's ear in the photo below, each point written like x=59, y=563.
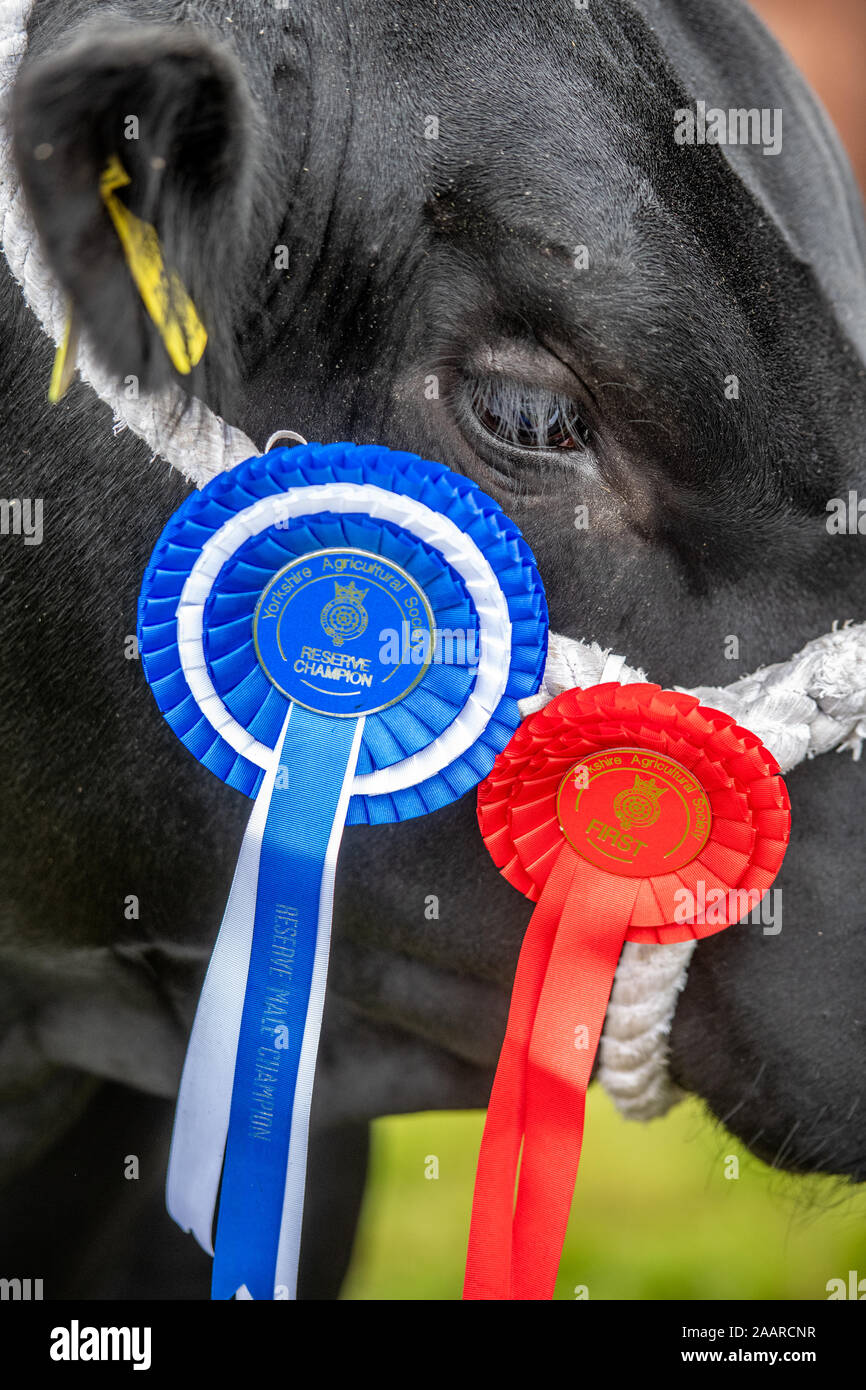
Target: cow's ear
x=172, y=106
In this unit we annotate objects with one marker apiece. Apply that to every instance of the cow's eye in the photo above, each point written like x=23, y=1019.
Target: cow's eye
x=527, y=417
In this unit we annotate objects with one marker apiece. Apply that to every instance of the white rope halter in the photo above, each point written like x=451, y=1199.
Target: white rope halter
x=798, y=708
x=808, y=705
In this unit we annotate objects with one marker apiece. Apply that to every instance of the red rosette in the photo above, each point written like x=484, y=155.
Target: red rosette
x=627, y=813
x=750, y=810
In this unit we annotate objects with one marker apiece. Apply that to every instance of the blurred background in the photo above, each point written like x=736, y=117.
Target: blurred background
x=658, y=1212
x=827, y=41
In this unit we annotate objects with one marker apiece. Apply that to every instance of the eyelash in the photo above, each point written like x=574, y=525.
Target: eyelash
x=526, y=417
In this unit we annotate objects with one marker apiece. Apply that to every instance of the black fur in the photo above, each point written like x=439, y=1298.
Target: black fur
x=411, y=258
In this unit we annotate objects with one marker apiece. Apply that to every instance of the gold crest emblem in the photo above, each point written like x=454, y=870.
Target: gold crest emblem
x=345, y=617
x=639, y=805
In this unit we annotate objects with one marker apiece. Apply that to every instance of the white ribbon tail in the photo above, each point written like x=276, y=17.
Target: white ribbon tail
x=204, y=1099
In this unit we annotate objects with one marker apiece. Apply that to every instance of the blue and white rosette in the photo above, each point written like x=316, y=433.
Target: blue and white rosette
x=342, y=632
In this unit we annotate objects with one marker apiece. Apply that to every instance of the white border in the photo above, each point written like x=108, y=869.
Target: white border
x=436, y=530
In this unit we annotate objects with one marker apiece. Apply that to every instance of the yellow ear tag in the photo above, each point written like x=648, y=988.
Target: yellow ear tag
x=162, y=291
x=64, y=359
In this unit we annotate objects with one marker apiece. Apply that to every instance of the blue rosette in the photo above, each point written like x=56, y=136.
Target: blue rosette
x=342, y=632
x=255, y=706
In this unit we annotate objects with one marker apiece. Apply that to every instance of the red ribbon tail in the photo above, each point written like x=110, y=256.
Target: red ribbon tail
x=488, y=1261
x=565, y=1036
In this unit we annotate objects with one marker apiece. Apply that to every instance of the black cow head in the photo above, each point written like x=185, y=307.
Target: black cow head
x=470, y=232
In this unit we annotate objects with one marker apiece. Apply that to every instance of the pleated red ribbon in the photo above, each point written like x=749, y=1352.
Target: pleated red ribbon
x=620, y=810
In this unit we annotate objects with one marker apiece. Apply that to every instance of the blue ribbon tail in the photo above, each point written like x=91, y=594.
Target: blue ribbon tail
x=293, y=903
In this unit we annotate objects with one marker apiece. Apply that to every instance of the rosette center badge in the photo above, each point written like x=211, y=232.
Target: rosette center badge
x=344, y=633
x=633, y=812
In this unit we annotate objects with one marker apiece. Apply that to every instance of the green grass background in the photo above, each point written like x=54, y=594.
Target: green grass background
x=653, y=1217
